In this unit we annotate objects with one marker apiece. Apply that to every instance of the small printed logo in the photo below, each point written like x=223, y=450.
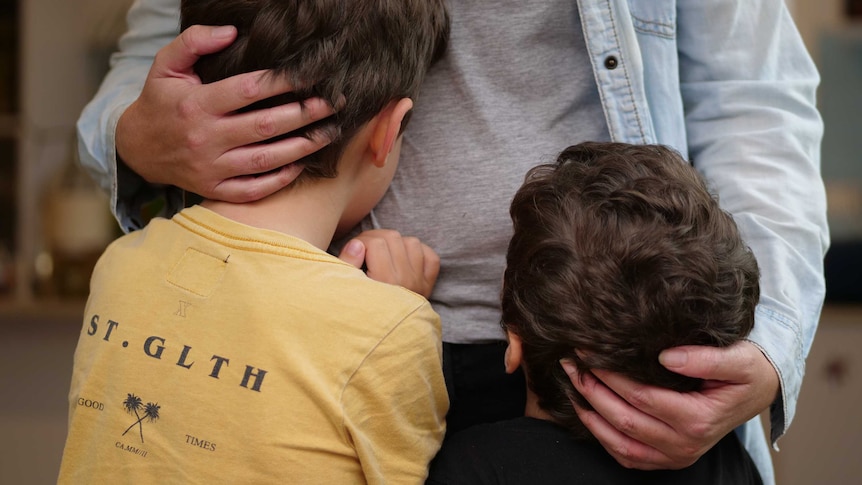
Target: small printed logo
x=181, y=311
x=134, y=405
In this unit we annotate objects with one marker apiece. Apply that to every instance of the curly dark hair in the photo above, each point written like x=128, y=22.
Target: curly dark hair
x=358, y=55
x=619, y=252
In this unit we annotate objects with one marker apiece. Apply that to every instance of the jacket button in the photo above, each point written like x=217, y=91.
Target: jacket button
x=611, y=62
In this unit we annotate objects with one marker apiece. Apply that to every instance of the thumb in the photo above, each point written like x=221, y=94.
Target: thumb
x=353, y=253
x=710, y=363
x=196, y=41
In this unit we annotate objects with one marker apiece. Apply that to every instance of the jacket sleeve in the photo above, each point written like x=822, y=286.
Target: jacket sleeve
x=395, y=405
x=152, y=24
x=748, y=87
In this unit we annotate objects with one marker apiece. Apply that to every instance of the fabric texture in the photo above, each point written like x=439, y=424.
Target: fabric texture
x=637, y=71
x=528, y=451
x=214, y=352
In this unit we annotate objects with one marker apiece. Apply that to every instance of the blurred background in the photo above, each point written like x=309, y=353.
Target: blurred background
x=54, y=223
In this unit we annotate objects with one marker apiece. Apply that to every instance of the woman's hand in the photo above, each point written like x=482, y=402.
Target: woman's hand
x=649, y=428
x=187, y=134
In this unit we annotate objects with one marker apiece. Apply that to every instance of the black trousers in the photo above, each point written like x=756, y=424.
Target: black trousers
x=480, y=391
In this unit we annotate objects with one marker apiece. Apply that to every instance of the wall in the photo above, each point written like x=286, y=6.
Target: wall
x=835, y=42
x=822, y=445
x=64, y=47
x=813, y=16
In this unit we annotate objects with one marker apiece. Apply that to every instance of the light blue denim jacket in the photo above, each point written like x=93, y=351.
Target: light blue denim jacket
x=729, y=83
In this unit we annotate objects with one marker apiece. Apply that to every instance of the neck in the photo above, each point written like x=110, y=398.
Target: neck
x=313, y=209
x=310, y=211
x=533, y=410
x=576, y=428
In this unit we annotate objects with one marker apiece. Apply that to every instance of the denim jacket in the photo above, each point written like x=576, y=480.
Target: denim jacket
x=725, y=82
x=731, y=85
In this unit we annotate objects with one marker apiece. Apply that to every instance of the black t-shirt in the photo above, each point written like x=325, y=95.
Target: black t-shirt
x=533, y=451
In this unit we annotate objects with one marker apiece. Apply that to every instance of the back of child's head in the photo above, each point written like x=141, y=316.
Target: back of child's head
x=619, y=252
x=358, y=55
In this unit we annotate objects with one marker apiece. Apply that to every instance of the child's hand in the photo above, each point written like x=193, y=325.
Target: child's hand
x=185, y=133
x=392, y=258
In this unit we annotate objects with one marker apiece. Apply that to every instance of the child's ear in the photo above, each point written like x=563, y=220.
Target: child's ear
x=387, y=128
x=514, y=352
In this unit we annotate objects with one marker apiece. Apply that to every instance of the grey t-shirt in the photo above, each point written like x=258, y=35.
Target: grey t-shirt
x=515, y=88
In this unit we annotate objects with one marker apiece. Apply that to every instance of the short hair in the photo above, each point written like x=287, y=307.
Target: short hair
x=358, y=55
x=619, y=252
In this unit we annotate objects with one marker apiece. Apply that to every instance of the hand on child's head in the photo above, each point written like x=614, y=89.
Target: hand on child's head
x=199, y=143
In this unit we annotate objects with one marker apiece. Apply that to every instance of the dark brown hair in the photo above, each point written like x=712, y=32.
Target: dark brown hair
x=619, y=251
x=359, y=55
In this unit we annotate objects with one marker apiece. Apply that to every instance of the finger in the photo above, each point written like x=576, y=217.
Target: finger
x=683, y=425
x=730, y=364
x=261, y=158
x=198, y=40
x=732, y=373
x=660, y=405
x=414, y=254
x=250, y=188
x=397, y=253
x=353, y=253
x=378, y=258
x=259, y=125
x=431, y=268
x=235, y=92
x=635, y=438
x=413, y=275
x=626, y=451
x=621, y=414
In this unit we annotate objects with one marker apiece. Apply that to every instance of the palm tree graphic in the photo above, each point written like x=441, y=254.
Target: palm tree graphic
x=133, y=405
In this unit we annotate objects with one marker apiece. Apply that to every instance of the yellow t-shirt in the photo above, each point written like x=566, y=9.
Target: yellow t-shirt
x=213, y=352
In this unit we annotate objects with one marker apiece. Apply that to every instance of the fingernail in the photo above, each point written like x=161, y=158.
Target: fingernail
x=673, y=358
x=568, y=366
x=353, y=248
x=223, y=31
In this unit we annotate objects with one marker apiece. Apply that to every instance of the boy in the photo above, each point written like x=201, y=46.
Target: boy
x=260, y=357
x=618, y=252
